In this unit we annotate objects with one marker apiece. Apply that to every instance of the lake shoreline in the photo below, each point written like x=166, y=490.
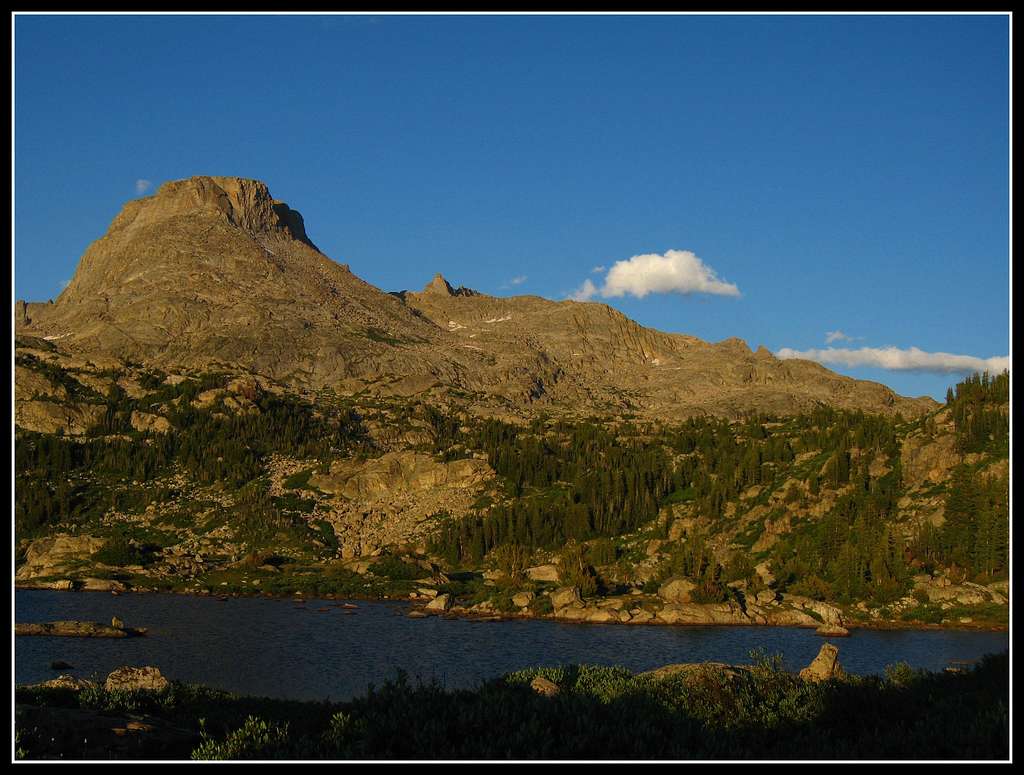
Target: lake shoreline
x=468, y=615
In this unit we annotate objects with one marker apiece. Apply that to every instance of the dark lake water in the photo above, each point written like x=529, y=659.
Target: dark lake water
x=277, y=648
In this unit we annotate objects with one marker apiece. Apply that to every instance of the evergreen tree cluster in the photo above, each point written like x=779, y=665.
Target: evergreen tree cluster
x=975, y=535
x=976, y=405
x=567, y=481
x=67, y=480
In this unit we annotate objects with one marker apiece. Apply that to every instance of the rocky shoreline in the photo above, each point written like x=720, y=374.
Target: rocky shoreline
x=833, y=621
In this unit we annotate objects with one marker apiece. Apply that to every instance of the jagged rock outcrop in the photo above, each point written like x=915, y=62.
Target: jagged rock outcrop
x=58, y=555
x=51, y=417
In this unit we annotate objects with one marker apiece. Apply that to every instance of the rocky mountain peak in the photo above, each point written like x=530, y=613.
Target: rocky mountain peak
x=242, y=202
x=441, y=287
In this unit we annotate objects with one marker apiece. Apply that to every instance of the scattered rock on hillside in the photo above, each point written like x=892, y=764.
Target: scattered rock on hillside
x=543, y=573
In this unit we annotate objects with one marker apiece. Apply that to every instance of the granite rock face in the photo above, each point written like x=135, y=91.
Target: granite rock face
x=55, y=555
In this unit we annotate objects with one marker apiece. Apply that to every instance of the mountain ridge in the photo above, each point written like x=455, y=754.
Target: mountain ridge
x=213, y=272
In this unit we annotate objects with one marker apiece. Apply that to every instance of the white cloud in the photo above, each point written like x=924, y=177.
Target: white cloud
x=839, y=336
x=677, y=271
x=142, y=186
x=896, y=359
x=585, y=292
x=598, y=269
x=518, y=280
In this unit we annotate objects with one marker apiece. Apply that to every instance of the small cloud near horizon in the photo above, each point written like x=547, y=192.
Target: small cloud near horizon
x=585, y=292
x=517, y=280
x=839, y=336
x=897, y=359
x=676, y=271
x=142, y=186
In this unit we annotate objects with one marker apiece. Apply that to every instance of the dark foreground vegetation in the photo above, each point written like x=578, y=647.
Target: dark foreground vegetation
x=598, y=713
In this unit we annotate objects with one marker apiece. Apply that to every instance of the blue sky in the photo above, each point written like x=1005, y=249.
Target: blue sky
x=842, y=173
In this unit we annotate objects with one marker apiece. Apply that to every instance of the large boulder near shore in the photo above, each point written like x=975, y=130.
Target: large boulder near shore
x=522, y=599
x=825, y=666
x=136, y=678
x=440, y=603
x=702, y=613
x=566, y=597
x=677, y=590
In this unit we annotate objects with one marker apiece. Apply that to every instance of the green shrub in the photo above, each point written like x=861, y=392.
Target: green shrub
x=298, y=481
x=512, y=560
x=397, y=569
x=541, y=606
x=813, y=587
x=602, y=552
x=121, y=551
x=574, y=571
x=710, y=590
x=255, y=739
